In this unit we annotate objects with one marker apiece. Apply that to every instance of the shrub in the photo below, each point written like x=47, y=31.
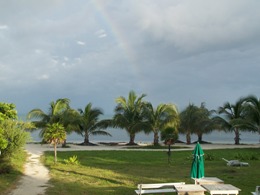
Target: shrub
x=5, y=168
x=7, y=111
x=72, y=160
x=254, y=157
x=3, y=141
x=16, y=136
x=240, y=156
x=209, y=157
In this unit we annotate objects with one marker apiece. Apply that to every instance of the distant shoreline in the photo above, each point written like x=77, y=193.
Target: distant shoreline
x=215, y=137
x=75, y=147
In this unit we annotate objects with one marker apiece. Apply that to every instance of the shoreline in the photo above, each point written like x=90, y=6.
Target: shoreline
x=120, y=135
x=39, y=148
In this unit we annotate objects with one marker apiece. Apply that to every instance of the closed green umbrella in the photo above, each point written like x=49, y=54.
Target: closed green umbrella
x=197, y=167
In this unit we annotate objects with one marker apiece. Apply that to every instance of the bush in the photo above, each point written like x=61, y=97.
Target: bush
x=72, y=160
x=3, y=141
x=5, y=168
x=209, y=157
x=240, y=156
x=254, y=157
x=16, y=136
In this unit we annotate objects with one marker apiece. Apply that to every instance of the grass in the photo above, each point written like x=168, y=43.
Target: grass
x=119, y=172
x=8, y=181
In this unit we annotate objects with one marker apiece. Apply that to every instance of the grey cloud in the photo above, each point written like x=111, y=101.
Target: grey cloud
x=201, y=25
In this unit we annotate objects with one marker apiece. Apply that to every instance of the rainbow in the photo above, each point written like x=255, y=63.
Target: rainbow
x=117, y=34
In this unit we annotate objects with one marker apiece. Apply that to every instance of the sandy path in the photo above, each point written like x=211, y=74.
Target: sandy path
x=36, y=176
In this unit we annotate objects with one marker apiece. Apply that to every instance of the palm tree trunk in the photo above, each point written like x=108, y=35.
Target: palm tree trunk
x=156, y=138
x=188, y=138
x=200, y=137
x=64, y=143
x=169, y=153
x=237, y=137
x=86, y=139
x=55, y=152
x=132, y=139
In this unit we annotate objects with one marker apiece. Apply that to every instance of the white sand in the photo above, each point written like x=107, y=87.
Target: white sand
x=36, y=176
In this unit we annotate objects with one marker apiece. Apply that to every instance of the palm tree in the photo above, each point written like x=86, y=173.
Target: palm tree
x=189, y=119
x=88, y=123
x=205, y=124
x=157, y=119
x=55, y=114
x=129, y=115
x=54, y=134
x=231, y=118
x=252, y=106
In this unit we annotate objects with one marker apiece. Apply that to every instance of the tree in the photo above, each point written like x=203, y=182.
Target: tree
x=205, y=124
x=7, y=111
x=157, y=119
x=12, y=132
x=3, y=141
x=14, y=137
x=231, y=117
x=169, y=135
x=88, y=123
x=189, y=118
x=129, y=115
x=252, y=113
x=55, y=114
x=54, y=134
x=196, y=120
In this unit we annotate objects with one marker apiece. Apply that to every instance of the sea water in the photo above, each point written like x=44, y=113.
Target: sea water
x=120, y=135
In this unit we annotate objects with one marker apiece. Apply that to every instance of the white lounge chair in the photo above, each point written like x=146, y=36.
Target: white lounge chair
x=257, y=191
x=157, y=188
x=235, y=163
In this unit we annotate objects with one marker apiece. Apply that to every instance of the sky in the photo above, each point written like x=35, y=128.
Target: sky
x=174, y=51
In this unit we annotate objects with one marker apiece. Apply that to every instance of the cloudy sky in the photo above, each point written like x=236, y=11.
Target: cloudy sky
x=174, y=51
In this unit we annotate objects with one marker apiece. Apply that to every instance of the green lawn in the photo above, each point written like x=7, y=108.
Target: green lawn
x=119, y=172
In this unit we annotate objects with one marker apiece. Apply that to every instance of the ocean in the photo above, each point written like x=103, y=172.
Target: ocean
x=120, y=135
